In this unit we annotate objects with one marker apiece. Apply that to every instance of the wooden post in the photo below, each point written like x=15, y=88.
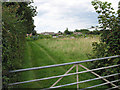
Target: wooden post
x=63, y=76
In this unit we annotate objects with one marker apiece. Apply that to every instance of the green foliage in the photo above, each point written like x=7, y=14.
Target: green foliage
x=68, y=32
x=84, y=31
x=110, y=37
x=14, y=30
x=94, y=32
x=34, y=32
x=35, y=37
x=59, y=32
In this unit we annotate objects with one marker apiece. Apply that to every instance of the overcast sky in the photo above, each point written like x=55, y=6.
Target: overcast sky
x=57, y=15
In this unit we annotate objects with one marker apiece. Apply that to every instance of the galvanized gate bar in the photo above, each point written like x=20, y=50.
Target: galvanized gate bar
x=97, y=75
x=85, y=81
x=56, y=65
x=63, y=75
x=113, y=88
x=101, y=84
x=66, y=74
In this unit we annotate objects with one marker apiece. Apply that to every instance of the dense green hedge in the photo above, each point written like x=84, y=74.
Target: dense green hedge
x=110, y=38
x=15, y=26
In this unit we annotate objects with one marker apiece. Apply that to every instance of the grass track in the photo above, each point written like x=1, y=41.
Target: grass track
x=49, y=52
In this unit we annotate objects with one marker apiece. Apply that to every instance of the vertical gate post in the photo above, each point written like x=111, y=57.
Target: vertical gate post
x=77, y=76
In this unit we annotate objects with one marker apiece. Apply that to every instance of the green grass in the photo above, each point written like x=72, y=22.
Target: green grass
x=55, y=51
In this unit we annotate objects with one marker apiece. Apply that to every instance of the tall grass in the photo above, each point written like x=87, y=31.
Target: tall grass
x=69, y=49
x=54, y=51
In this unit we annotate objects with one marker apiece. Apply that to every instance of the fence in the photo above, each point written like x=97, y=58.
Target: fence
x=75, y=64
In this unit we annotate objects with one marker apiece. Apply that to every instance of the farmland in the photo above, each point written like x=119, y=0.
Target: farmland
x=27, y=43
x=44, y=52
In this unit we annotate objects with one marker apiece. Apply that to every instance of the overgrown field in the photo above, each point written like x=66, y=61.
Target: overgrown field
x=55, y=51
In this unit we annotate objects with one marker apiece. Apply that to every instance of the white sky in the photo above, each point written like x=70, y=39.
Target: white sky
x=57, y=15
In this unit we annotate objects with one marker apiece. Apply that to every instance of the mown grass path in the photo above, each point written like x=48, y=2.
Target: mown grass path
x=38, y=53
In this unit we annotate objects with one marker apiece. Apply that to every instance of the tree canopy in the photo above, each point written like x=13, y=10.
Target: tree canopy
x=84, y=31
x=109, y=21
x=17, y=21
x=67, y=31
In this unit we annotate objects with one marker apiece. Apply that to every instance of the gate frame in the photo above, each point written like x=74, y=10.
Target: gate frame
x=78, y=63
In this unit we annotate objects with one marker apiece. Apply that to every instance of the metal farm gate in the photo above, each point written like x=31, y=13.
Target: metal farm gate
x=75, y=64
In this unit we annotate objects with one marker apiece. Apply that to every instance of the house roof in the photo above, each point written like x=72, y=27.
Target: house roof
x=48, y=33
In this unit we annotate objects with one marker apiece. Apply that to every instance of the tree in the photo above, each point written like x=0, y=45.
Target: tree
x=109, y=20
x=34, y=32
x=96, y=32
x=67, y=32
x=59, y=32
x=84, y=31
x=26, y=12
x=15, y=25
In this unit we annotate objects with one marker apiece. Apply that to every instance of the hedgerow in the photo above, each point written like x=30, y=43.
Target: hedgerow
x=109, y=21
x=15, y=26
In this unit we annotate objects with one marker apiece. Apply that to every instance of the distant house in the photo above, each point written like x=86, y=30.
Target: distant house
x=55, y=36
x=60, y=36
x=47, y=33
x=77, y=33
